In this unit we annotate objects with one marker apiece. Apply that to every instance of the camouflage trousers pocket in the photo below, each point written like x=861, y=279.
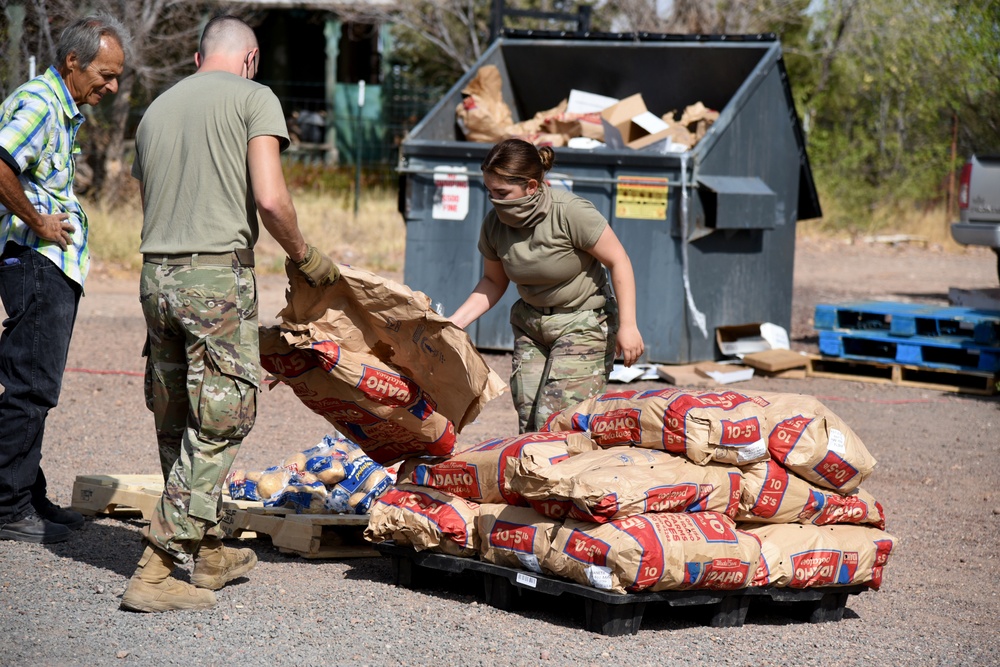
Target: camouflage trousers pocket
x=227, y=404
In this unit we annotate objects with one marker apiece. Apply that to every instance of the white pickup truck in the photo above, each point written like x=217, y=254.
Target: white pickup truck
x=979, y=204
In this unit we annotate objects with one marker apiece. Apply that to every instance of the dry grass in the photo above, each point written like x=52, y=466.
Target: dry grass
x=374, y=240
x=930, y=225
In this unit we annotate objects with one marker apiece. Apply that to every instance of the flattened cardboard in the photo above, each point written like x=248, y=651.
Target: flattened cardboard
x=775, y=361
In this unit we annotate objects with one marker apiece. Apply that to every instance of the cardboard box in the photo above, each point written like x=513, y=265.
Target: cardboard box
x=741, y=339
x=629, y=124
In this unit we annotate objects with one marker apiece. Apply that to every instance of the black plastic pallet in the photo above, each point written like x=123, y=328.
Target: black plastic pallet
x=606, y=613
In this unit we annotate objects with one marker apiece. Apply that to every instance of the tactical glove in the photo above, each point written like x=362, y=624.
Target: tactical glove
x=318, y=268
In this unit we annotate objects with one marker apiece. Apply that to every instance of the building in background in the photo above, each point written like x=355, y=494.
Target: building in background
x=332, y=76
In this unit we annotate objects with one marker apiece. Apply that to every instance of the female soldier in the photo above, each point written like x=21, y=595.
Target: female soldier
x=568, y=327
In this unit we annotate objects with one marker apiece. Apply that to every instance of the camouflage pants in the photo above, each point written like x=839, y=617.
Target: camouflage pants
x=559, y=359
x=202, y=375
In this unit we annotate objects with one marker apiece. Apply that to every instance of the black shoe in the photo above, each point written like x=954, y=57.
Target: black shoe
x=33, y=528
x=55, y=514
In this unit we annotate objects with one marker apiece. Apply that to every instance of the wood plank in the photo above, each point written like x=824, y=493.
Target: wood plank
x=774, y=361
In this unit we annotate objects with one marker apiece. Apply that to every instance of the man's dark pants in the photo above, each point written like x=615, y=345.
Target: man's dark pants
x=41, y=305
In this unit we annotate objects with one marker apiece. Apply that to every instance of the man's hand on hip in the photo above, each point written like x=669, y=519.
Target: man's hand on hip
x=318, y=268
x=53, y=227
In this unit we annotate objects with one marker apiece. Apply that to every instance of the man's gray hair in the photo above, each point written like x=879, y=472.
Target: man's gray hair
x=83, y=37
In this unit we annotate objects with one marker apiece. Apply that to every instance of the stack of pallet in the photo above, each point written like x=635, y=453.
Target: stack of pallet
x=946, y=348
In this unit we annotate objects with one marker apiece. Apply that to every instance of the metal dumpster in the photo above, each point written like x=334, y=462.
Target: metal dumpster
x=721, y=252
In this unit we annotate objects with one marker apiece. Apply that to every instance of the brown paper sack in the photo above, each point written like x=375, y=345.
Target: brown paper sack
x=724, y=426
x=801, y=556
x=814, y=443
x=656, y=552
x=374, y=359
x=482, y=114
x=773, y=494
x=516, y=537
x=424, y=519
x=613, y=483
x=535, y=124
x=483, y=472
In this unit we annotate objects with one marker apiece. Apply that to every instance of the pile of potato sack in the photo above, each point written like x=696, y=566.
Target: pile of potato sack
x=660, y=490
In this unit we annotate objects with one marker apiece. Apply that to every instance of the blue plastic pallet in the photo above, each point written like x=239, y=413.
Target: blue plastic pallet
x=911, y=319
x=929, y=352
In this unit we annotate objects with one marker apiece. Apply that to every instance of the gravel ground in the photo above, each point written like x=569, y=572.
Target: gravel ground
x=937, y=479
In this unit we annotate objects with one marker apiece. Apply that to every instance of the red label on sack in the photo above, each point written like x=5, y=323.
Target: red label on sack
x=288, y=365
x=842, y=509
x=387, y=388
x=671, y=497
x=783, y=437
x=456, y=477
x=771, y=492
x=599, y=512
x=725, y=574
x=616, y=396
x=586, y=549
x=835, y=470
x=328, y=353
x=740, y=433
x=554, y=509
x=616, y=427
x=715, y=526
x=735, y=489
x=444, y=516
x=651, y=565
x=513, y=536
x=815, y=568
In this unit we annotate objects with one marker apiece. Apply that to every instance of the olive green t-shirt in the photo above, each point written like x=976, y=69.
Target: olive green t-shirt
x=191, y=157
x=549, y=262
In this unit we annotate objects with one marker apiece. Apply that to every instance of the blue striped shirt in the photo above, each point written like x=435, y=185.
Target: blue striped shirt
x=38, y=126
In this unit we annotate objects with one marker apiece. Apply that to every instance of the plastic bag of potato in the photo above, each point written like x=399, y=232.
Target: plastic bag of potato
x=334, y=476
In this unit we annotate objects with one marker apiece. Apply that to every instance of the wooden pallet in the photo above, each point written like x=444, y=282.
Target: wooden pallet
x=940, y=379
x=307, y=535
x=117, y=495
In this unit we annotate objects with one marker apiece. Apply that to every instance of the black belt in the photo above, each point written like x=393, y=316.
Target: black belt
x=240, y=257
x=559, y=310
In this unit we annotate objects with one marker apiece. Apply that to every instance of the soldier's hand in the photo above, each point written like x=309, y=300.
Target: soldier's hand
x=53, y=227
x=318, y=268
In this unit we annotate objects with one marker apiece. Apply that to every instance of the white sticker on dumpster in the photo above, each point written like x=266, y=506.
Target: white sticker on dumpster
x=451, y=193
x=641, y=198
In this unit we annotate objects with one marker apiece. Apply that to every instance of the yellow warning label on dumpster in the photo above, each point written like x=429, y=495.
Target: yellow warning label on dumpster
x=641, y=197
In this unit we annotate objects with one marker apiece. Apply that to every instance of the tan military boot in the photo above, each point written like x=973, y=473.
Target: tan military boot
x=152, y=588
x=216, y=565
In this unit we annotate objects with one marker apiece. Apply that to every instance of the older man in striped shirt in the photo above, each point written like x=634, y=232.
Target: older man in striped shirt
x=44, y=258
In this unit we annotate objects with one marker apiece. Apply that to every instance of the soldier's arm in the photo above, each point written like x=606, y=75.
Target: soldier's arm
x=485, y=295
x=609, y=251
x=271, y=195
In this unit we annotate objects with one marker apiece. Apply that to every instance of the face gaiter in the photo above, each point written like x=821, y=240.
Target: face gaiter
x=525, y=211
